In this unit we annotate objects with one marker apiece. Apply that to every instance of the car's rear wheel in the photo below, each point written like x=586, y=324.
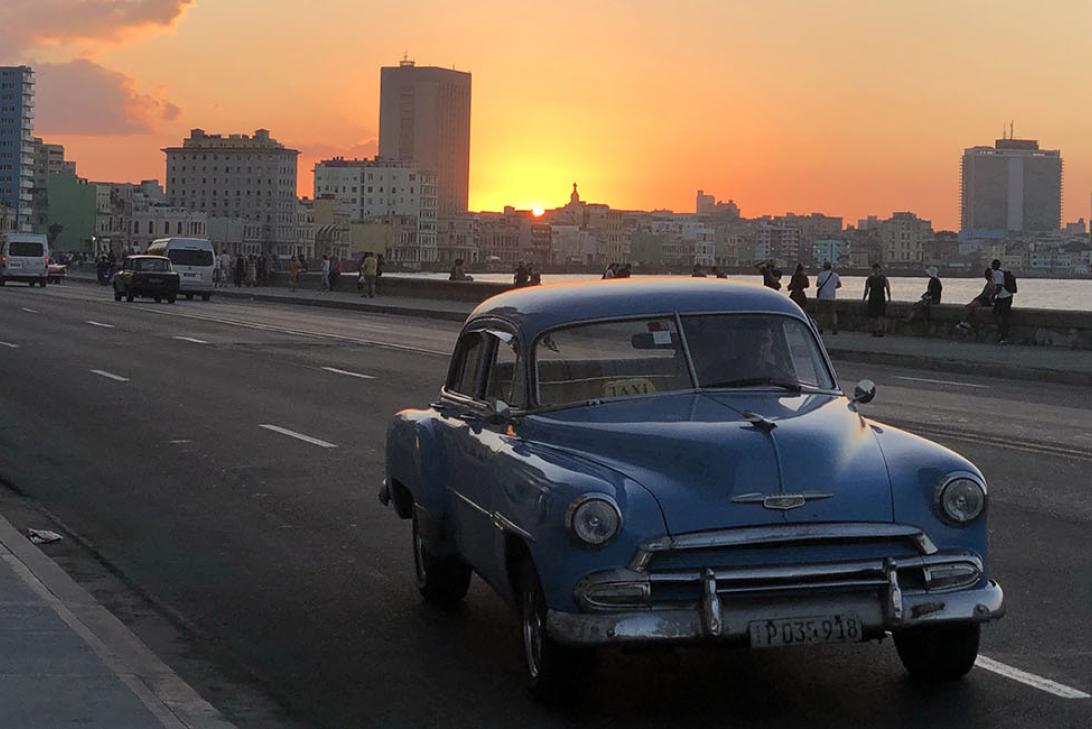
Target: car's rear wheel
x=206, y=297
x=938, y=653
x=442, y=580
x=117, y=295
x=158, y=299
x=42, y=282
x=170, y=299
x=555, y=673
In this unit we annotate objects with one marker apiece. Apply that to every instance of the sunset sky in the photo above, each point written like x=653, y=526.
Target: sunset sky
x=848, y=108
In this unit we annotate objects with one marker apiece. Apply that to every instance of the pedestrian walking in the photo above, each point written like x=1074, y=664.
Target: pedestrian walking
x=326, y=273
x=877, y=292
x=335, y=271
x=240, y=270
x=1004, y=286
x=294, y=268
x=534, y=278
x=379, y=264
x=251, y=271
x=827, y=284
x=369, y=269
x=522, y=276
x=262, y=270
x=797, y=284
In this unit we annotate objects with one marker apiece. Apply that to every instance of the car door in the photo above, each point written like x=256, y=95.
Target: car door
x=464, y=415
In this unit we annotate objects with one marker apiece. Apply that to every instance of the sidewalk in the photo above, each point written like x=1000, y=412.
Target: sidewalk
x=1048, y=364
x=65, y=660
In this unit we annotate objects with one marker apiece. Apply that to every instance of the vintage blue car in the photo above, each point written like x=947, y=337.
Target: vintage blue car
x=673, y=460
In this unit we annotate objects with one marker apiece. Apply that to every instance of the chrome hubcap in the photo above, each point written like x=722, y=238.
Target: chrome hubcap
x=532, y=634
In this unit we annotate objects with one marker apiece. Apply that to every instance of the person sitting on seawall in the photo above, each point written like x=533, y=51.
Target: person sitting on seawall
x=771, y=276
x=985, y=299
x=930, y=298
x=458, y=273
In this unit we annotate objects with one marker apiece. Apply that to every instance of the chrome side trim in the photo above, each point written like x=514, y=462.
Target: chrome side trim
x=500, y=521
x=472, y=504
x=782, y=534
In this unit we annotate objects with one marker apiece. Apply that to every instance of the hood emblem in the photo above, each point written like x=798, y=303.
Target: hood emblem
x=781, y=502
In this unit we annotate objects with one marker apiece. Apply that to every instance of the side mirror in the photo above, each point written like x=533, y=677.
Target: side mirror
x=864, y=392
x=502, y=412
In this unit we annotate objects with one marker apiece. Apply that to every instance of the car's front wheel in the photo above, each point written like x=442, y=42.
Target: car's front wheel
x=117, y=294
x=555, y=672
x=442, y=580
x=940, y=652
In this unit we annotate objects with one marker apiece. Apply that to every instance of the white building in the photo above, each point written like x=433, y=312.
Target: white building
x=383, y=189
x=237, y=176
x=686, y=240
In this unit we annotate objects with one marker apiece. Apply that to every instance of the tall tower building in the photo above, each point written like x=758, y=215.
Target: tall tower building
x=1012, y=186
x=17, y=142
x=424, y=117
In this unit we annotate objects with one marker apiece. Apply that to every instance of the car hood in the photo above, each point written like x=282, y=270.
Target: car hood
x=698, y=454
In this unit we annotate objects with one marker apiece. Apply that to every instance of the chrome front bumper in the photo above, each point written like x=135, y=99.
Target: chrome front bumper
x=732, y=622
x=659, y=598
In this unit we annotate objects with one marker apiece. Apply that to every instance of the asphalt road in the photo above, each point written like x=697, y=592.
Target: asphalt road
x=144, y=429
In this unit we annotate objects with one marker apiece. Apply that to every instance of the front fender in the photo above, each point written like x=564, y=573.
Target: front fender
x=916, y=467
x=536, y=493
x=416, y=460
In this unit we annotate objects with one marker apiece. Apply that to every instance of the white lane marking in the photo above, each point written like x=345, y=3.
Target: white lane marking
x=9, y=344
x=336, y=371
x=110, y=375
x=190, y=339
x=29, y=311
x=100, y=324
x=298, y=332
x=180, y=441
x=942, y=382
x=298, y=436
x=1030, y=679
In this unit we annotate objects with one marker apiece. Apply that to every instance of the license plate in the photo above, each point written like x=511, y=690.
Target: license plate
x=15, y=264
x=806, y=631
x=191, y=275
x=155, y=280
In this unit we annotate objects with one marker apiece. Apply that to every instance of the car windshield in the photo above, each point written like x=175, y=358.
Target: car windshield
x=610, y=359
x=151, y=264
x=591, y=362
x=748, y=350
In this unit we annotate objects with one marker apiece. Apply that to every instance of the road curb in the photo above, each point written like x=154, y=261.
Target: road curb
x=174, y=702
x=391, y=309
x=963, y=367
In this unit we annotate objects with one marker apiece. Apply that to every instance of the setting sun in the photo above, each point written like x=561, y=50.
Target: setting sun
x=537, y=211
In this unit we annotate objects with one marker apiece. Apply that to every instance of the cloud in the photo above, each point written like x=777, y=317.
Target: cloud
x=82, y=97
x=28, y=23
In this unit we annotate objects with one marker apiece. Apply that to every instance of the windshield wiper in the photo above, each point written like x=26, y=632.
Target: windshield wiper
x=755, y=381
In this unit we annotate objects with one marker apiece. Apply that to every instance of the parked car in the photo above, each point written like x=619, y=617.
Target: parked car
x=24, y=257
x=148, y=276
x=672, y=461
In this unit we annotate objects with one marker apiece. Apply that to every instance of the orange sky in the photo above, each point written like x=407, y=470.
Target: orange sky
x=849, y=108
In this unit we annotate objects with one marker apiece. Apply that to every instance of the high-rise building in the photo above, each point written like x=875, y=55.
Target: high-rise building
x=48, y=161
x=1012, y=186
x=424, y=117
x=17, y=142
x=252, y=178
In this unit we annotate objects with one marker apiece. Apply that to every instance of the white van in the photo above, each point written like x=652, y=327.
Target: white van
x=193, y=259
x=24, y=257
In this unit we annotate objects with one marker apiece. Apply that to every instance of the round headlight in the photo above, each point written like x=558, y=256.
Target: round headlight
x=962, y=499
x=594, y=520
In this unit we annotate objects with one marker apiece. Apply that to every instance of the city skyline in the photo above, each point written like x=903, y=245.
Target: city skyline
x=848, y=128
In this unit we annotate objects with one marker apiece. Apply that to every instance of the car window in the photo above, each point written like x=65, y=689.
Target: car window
x=610, y=359
x=24, y=248
x=463, y=378
x=151, y=264
x=505, y=380
x=740, y=350
x=189, y=257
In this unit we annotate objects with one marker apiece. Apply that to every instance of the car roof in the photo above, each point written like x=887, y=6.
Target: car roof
x=537, y=308
x=145, y=255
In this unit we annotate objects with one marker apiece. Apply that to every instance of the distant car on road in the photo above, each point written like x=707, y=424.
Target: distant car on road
x=24, y=257
x=146, y=276
x=57, y=272
x=673, y=461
